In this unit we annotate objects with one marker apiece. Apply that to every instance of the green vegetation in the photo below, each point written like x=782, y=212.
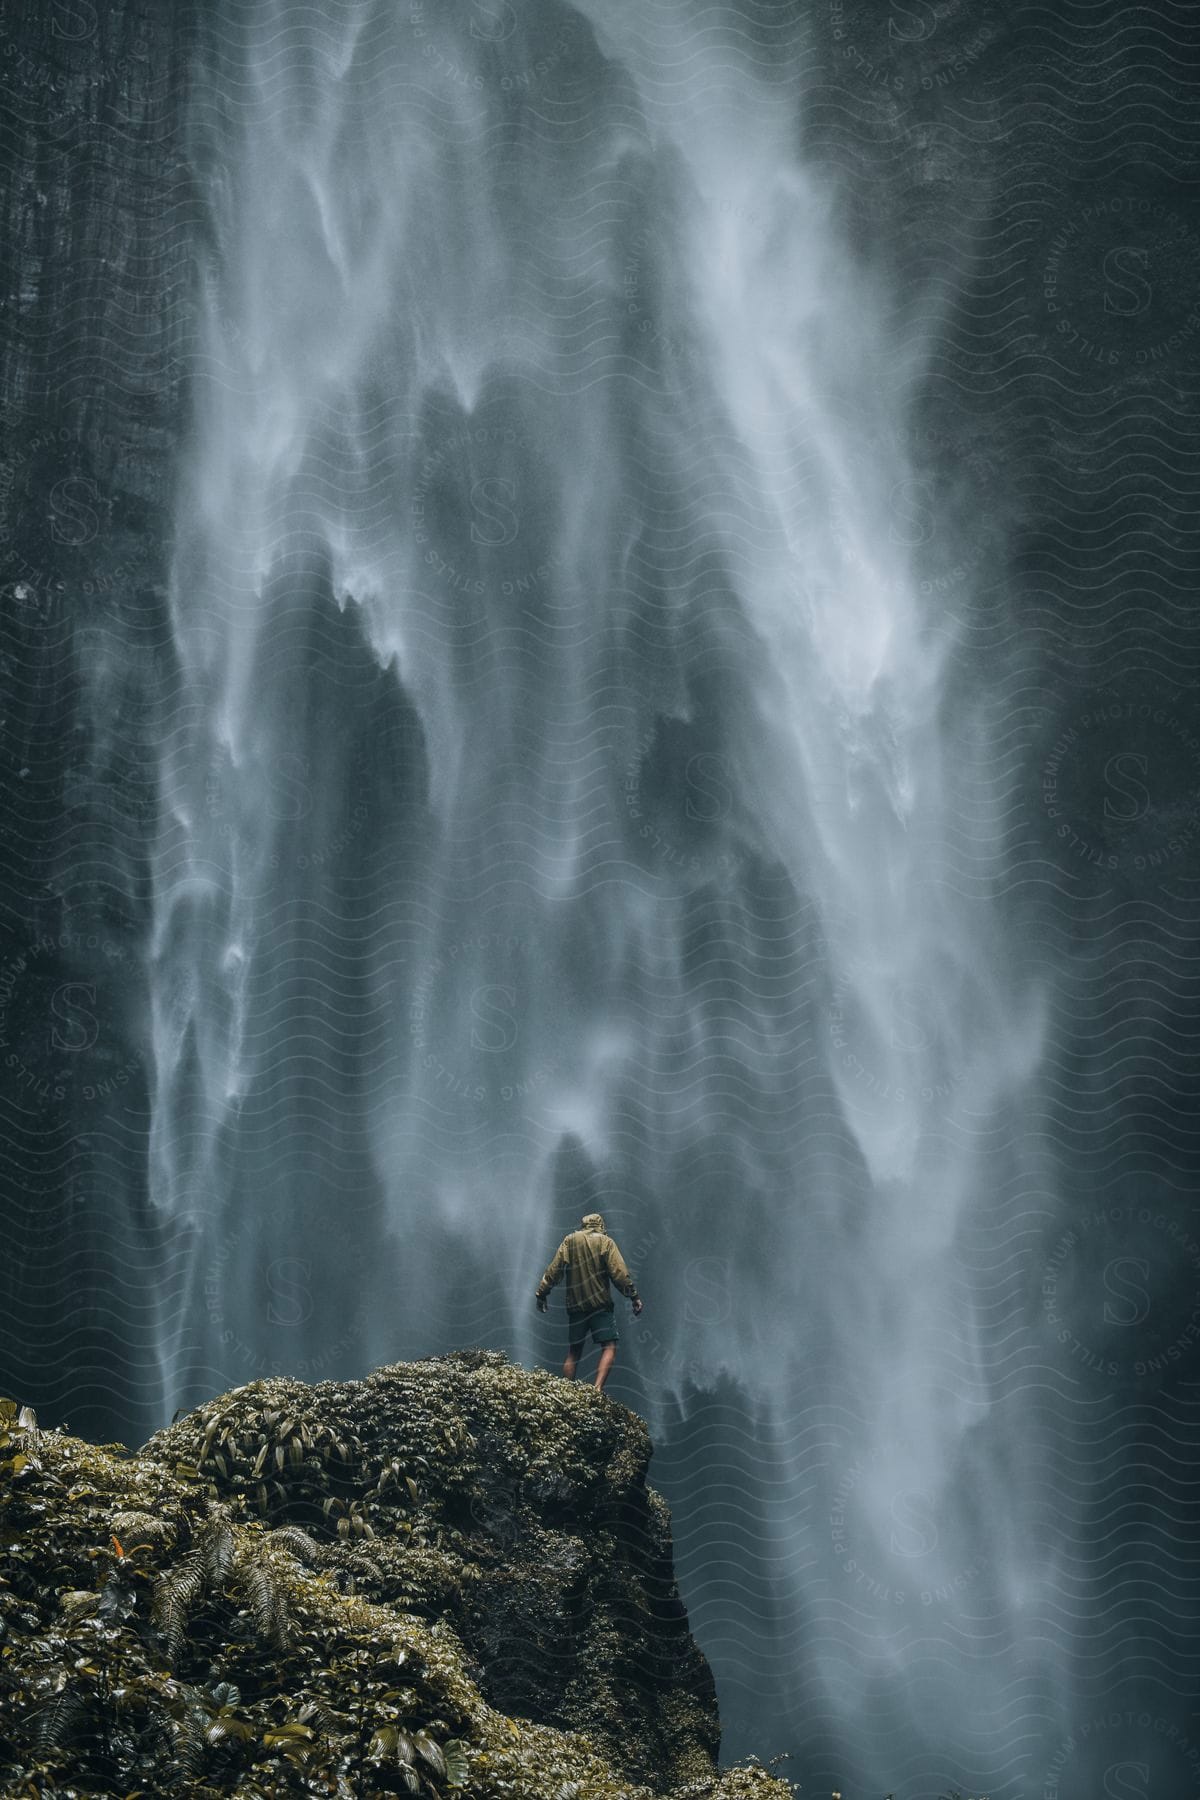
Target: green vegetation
x=450, y=1578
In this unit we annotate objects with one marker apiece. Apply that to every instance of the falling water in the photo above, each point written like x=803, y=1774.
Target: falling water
x=572, y=802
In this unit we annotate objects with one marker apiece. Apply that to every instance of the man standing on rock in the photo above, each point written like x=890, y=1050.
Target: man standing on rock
x=590, y=1260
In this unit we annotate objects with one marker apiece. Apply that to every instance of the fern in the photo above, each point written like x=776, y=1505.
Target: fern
x=61, y=1720
x=299, y=1543
x=217, y=1549
x=77, y=1603
x=134, y=1528
x=189, y=1740
x=320, y=1717
x=215, y=1556
x=177, y=1593
x=257, y=1578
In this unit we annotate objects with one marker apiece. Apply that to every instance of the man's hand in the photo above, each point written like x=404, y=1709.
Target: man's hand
x=637, y=1307
x=542, y=1302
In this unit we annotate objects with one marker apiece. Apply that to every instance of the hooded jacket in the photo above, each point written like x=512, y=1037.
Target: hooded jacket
x=590, y=1260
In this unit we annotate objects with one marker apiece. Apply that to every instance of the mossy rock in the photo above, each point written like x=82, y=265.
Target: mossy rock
x=450, y=1577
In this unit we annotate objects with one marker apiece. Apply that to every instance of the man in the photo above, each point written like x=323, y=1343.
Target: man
x=590, y=1260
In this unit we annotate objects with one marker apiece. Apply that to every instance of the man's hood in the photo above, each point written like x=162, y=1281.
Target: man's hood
x=593, y=1222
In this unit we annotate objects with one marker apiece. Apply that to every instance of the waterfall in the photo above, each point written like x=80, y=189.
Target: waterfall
x=576, y=797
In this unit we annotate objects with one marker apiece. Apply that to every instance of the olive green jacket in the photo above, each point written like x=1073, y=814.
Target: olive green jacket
x=589, y=1260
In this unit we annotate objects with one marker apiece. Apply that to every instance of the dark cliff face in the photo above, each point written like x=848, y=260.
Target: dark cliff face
x=350, y=1581
x=95, y=222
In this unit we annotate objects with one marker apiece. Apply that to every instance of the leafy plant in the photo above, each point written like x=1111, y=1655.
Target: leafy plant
x=214, y=1558
x=457, y=1767
x=161, y=1639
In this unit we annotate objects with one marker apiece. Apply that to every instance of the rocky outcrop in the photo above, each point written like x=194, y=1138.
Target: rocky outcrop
x=450, y=1576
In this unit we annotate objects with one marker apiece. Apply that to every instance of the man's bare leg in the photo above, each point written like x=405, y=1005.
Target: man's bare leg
x=571, y=1363
x=608, y=1353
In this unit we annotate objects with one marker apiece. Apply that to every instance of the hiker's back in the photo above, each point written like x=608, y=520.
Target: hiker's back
x=587, y=1271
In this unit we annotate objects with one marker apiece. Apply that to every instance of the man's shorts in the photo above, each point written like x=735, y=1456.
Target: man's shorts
x=602, y=1324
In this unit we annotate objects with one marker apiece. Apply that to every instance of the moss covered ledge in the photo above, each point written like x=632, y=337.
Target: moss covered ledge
x=450, y=1577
